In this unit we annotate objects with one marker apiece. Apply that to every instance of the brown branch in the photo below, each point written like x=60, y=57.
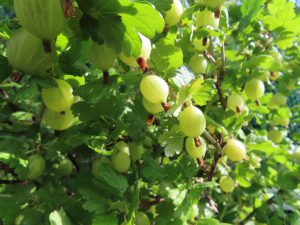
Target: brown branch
x=217, y=155
x=211, y=202
x=147, y=204
x=221, y=78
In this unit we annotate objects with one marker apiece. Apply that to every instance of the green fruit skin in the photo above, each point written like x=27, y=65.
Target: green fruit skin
x=152, y=108
x=199, y=46
x=26, y=53
x=58, y=98
x=102, y=56
x=154, y=89
x=57, y=120
x=36, y=166
x=141, y=218
x=198, y=64
x=227, y=184
x=65, y=167
x=122, y=146
x=192, y=150
x=44, y=19
x=283, y=121
x=173, y=16
x=136, y=151
x=207, y=18
x=235, y=150
x=234, y=102
x=276, y=135
x=214, y=3
x=192, y=121
x=145, y=53
x=120, y=161
x=278, y=100
x=255, y=89
x=296, y=155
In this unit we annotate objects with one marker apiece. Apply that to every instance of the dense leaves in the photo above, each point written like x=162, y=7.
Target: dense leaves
x=99, y=158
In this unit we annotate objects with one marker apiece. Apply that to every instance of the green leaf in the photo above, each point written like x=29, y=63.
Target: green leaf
x=207, y=221
x=251, y=8
x=28, y=91
x=94, y=203
x=165, y=57
x=105, y=220
x=59, y=218
x=117, y=23
x=266, y=146
x=162, y=5
x=113, y=179
x=172, y=140
x=151, y=170
x=202, y=91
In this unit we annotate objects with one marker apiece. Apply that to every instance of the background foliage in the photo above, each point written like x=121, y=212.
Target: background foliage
x=167, y=183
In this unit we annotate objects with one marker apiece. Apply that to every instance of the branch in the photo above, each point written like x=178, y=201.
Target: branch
x=221, y=78
x=249, y=216
x=212, y=140
x=217, y=154
x=147, y=204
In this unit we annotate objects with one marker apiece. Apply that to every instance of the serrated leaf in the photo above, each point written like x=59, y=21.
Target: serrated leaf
x=202, y=91
x=151, y=170
x=113, y=179
x=117, y=23
x=94, y=202
x=172, y=140
x=165, y=57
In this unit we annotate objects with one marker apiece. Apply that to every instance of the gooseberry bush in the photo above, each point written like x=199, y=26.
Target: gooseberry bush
x=149, y=112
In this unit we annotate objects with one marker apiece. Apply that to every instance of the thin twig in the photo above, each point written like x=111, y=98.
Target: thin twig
x=249, y=216
x=216, y=156
x=221, y=77
x=147, y=204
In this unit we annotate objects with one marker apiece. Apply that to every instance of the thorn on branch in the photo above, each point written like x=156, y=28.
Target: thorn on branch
x=209, y=57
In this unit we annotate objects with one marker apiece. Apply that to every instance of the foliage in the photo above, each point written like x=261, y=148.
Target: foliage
x=255, y=39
